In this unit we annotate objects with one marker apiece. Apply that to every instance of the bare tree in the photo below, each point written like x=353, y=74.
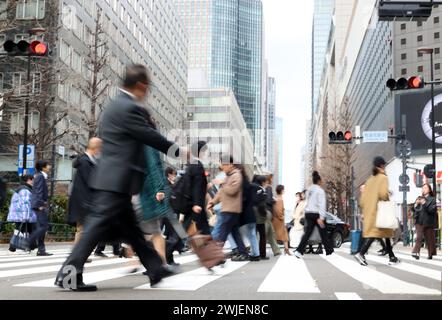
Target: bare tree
x=7, y=15
x=97, y=81
x=337, y=165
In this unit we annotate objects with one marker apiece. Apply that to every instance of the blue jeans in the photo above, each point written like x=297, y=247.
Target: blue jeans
x=216, y=230
x=251, y=234
x=230, y=225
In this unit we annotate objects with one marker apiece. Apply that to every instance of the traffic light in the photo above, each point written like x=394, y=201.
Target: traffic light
x=404, y=84
x=340, y=137
x=24, y=48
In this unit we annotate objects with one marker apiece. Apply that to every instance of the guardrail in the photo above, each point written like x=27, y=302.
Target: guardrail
x=57, y=232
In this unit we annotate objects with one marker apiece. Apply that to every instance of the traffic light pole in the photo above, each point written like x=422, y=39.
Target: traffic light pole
x=433, y=123
x=25, y=133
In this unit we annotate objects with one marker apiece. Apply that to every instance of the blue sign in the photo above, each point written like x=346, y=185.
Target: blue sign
x=30, y=159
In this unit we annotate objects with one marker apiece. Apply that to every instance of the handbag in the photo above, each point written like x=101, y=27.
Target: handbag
x=20, y=240
x=386, y=215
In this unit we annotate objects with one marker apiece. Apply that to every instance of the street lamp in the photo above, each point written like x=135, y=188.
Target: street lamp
x=31, y=32
x=430, y=51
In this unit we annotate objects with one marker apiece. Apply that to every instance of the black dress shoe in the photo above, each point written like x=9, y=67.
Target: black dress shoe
x=44, y=254
x=264, y=258
x=80, y=287
x=100, y=254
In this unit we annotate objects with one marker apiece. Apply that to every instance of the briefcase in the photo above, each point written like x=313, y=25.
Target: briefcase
x=209, y=252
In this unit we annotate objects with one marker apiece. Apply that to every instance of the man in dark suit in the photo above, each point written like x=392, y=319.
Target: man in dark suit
x=119, y=175
x=40, y=205
x=199, y=187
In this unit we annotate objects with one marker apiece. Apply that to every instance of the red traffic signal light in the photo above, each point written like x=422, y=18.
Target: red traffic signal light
x=23, y=47
x=415, y=83
x=404, y=84
x=340, y=137
x=38, y=48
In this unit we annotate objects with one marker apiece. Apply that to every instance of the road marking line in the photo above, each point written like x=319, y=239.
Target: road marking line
x=28, y=271
x=102, y=275
x=278, y=281
x=34, y=257
x=195, y=279
x=8, y=253
x=375, y=279
x=421, y=271
x=347, y=296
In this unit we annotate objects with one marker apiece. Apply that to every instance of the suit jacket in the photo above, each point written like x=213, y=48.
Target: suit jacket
x=124, y=130
x=199, y=184
x=40, y=193
x=81, y=196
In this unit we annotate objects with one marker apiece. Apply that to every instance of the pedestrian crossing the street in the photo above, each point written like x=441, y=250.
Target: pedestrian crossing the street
x=312, y=275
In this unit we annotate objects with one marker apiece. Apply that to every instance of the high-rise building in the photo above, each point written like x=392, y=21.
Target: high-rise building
x=322, y=21
x=131, y=31
x=269, y=131
x=213, y=115
x=278, y=151
x=226, y=49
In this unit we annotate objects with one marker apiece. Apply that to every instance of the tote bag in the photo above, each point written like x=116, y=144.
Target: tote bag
x=20, y=239
x=386, y=215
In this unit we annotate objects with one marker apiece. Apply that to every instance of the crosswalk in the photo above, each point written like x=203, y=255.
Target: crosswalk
x=313, y=275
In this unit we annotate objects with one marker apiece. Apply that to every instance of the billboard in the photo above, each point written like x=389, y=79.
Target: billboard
x=413, y=114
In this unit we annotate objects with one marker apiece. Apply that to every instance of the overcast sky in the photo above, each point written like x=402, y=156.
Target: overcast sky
x=288, y=33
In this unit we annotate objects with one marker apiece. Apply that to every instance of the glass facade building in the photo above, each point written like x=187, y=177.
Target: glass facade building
x=225, y=46
x=322, y=22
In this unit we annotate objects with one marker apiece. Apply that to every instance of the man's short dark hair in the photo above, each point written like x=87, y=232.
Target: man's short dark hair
x=41, y=164
x=170, y=170
x=197, y=147
x=136, y=73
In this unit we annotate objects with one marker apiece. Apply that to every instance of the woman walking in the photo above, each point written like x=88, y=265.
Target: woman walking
x=315, y=216
x=297, y=231
x=278, y=219
x=20, y=210
x=425, y=215
x=376, y=189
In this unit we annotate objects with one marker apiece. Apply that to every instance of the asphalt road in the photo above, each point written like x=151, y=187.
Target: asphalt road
x=315, y=277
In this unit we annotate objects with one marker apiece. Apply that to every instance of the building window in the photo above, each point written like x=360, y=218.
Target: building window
x=403, y=71
x=420, y=69
x=31, y=9
x=403, y=26
x=403, y=56
x=437, y=66
x=419, y=23
x=18, y=122
x=403, y=41
x=436, y=20
x=3, y=9
x=419, y=38
x=420, y=54
x=437, y=50
x=436, y=35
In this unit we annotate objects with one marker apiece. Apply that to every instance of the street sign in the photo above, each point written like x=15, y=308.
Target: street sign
x=375, y=136
x=30, y=158
x=404, y=147
x=402, y=189
x=404, y=179
x=61, y=150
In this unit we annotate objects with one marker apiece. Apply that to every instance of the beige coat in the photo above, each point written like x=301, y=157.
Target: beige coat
x=278, y=220
x=298, y=214
x=376, y=189
x=230, y=194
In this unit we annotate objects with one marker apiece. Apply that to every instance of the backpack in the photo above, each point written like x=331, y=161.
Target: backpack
x=180, y=194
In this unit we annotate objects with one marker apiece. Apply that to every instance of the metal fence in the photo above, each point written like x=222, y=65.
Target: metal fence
x=57, y=232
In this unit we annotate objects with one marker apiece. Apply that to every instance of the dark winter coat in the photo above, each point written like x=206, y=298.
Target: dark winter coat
x=81, y=195
x=249, y=195
x=426, y=214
